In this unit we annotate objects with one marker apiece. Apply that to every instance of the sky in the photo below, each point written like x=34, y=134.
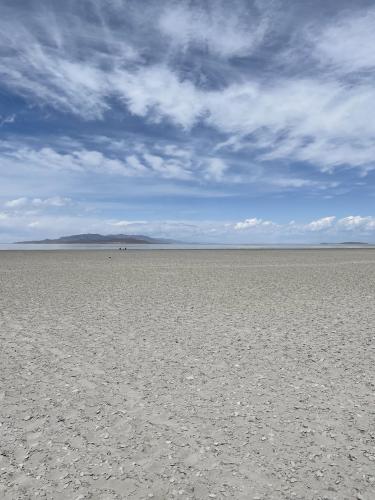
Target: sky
x=207, y=121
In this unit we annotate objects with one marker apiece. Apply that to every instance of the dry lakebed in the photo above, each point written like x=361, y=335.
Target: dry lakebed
x=240, y=374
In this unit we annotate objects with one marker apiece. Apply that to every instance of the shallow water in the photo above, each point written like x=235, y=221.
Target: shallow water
x=183, y=246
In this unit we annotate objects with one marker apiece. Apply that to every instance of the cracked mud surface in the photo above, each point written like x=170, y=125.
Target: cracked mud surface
x=187, y=374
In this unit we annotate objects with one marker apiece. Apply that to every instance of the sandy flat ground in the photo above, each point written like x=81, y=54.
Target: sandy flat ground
x=187, y=374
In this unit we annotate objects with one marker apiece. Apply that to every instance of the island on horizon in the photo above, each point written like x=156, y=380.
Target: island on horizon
x=347, y=243
x=100, y=238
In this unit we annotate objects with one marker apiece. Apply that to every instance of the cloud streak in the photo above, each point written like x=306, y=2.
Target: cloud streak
x=213, y=28
x=55, y=201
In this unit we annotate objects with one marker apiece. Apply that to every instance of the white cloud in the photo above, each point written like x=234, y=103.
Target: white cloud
x=86, y=161
x=43, y=58
x=320, y=224
x=75, y=161
x=224, y=32
x=16, y=203
x=64, y=161
x=54, y=201
x=29, y=203
x=4, y=120
x=322, y=122
x=169, y=169
x=173, y=163
x=175, y=151
x=347, y=44
x=215, y=169
x=128, y=223
x=158, y=92
x=254, y=223
x=329, y=225
x=321, y=119
x=296, y=183
x=134, y=163
x=356, y=222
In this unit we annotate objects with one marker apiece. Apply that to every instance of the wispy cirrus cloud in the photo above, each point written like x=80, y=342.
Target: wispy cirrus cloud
x=322, y=120
x=138, y=160
x=224, y=32
x=131, y=161
x=345, y=46
x=5, y=120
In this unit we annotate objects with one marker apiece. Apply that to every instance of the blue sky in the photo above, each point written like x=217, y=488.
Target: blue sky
x=242, y=121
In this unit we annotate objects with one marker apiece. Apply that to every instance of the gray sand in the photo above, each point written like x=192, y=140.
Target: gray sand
x=187, y=374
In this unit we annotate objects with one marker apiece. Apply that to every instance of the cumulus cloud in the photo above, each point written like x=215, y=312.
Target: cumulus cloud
x=330, y=225
x=320, y=224
x=357, y=222
x=254, y=223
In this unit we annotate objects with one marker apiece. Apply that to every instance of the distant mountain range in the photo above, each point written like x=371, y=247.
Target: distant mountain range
x=100, y=238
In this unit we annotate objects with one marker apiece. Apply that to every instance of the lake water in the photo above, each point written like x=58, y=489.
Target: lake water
x=110, y=246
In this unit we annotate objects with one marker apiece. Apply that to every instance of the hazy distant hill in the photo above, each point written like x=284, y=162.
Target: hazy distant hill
x=100, y=238
x=353, y=243
x=346, y=243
